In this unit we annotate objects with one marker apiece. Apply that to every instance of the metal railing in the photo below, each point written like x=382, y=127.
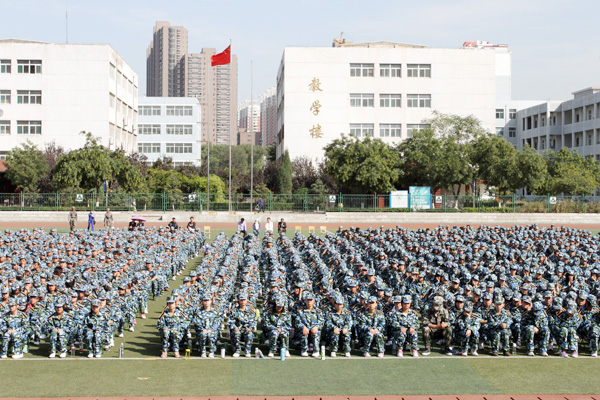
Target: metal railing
x=302, y=203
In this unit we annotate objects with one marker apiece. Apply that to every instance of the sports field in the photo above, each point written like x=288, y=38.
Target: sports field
x=142, y=373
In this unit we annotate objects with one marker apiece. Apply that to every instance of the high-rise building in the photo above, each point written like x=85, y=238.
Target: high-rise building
x=383, y=90
x=173, y=72
x=268, y=117
x=216, y=87
x=51, y=92
x=164, y=61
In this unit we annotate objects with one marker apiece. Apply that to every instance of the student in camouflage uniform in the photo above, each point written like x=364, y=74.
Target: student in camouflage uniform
x=404, y=323
x=436, y=323
x=466, y=330
x=535, y=325
x=277, y=324
x=13, y=328
x=371, y=326
x=338, y=324
x=59, y=330
x=169, y=325
x=207, y=324
x=95, y=330
x=309, y=322
x=569, y=323
x=498, y=322
x=242, y=324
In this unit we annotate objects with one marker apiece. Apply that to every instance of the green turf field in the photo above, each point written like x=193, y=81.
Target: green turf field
x=142, y=373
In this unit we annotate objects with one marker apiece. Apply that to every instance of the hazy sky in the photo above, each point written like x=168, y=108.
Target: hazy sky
x=555, y=44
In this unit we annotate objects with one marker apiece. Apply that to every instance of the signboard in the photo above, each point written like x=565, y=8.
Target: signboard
x=399, y=199
x=439, y=199
x=420, y=197
x=332, y=198
x=79, y=198
x=192, y=198
x=552, y=200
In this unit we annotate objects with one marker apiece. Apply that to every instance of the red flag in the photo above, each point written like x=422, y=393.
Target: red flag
x=221, y=58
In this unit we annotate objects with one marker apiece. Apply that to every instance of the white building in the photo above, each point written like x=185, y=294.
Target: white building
x=506, y=118
x=383, y=90
x=52, y=92
x=170, y=127
x=249, y=114
x=574, y=124
x=268, y=117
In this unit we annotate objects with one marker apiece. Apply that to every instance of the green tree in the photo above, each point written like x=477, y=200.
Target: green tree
x=367, y=166
x=496, y=162
x=283, y=179
x=570, y=173
x=25, y=166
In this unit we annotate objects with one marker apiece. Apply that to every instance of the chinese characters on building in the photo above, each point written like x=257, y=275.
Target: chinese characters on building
x=315, y=108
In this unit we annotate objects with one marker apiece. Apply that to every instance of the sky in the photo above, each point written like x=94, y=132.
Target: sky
x=555, y=45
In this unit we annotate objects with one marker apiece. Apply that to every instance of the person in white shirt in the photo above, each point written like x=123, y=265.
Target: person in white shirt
x=268, y=226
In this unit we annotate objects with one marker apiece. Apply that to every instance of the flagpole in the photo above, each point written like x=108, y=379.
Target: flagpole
x=230, y=148
x=251, y=135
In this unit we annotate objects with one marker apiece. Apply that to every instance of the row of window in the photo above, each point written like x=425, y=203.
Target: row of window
x=23, y=97
x=171, y=148
x=391, y=70
x=23, y=66
x=390, y=100
x=512, y=132
x=23, y=128
x=170, y=110
x=153, y=129
x=512, y=113
x=385, y=130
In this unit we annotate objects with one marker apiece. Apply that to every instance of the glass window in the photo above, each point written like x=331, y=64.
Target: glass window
x=512, y=113
x=362, y=100
x=512, y=132
x=4, y=96
x=179, y=148
x=390, y=70
x=179, y=129
x=361, y=130
x=362, y=70
x=29, y=127
x=412, y=128
x=4, y=127
x=418, y=101
x=500, y=131
x=149, y=110
x=147, y=129
x=149, y=148
x=390, y=130
x=390, y=100
x=29, y=66
x=418, y=70
x=499, y=113
x=4, y=66
x=179, y=110
x=29, y=97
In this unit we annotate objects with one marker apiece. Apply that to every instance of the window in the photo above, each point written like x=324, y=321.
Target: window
x=29, y=127
x=111, y=100
x=29, y=97
x=362, y=70
x=3, y=155
x=4, y=66
x=500, y=131
x=419, y=101
x=390, y=130
x=589, y=139
x=178, y=148
x=361, y=130
x=390, y=70
x=4, y=96
x=179, y=110
x=512, y=113
x=361, y=99
x=146, y=129
x=390, y=100
x=4, y=127
x=499, y=113
x=179, y=129
x=29, y=66
x=418, y=70
x=149, y=110
x=149, y=148
x=412, y=128
x=512, y=132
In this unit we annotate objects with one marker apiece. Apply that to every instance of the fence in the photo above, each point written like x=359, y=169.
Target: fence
x=302, y=203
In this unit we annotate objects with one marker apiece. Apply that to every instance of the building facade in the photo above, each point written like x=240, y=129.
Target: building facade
x=172, y=71
x=552, y=125
x=52, y=92
x=383, y=90
x=268, y=117
x=165, y=72
x=249, y=119
x=170, y=127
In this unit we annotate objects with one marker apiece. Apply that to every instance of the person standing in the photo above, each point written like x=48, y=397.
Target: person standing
x=108, y=219
x=261, y=205
x=269, y=226
x=91, y=221
x=72, y=219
